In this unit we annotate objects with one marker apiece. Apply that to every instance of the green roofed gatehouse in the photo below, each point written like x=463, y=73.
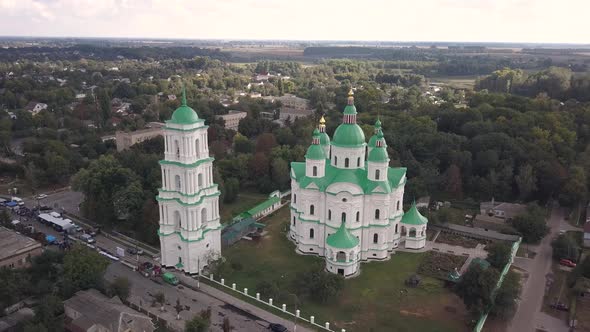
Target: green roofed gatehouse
x=347, y=203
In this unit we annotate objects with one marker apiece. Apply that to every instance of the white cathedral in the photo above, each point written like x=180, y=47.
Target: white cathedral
x=190, y=231
x=346, y=202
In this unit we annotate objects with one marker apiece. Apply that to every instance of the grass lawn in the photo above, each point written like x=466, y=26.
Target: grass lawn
x=458, y=240
x=558, y=291
x=245, y=201
x=377, y=300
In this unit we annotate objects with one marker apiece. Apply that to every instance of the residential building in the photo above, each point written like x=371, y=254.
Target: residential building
x=346, y=202
x=292, y=106
x=16, y=250
x=35, y=107
x=232, y=119
x=126, y=139
x=190, y=229
x=492, y=223
x=90, y=311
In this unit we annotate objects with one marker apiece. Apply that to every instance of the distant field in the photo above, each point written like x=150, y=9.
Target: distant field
x=376, y=300
x=457, y=82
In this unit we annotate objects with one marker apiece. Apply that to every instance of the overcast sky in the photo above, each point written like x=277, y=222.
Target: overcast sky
x=564, y=21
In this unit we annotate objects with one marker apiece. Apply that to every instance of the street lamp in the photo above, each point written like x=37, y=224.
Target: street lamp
x=199, y=272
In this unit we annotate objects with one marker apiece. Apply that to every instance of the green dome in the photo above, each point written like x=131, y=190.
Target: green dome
x=349, y=135
x=378, y=124
x=184, y=115
x=378, y=155
x=342, y=239
x=350, y=110
x=315, y=152
x=413, y=217
x=324, y=139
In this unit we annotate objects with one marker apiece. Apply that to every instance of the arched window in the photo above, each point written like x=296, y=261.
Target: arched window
x=395, y=228
x=343, y=217
x=197, y=148
x=412, y=232
x=203, y=216
x=293, y=221
x=375, y=238
x=377, y=213
x=358, y=216
x=346, y=162
x=377, y=174
x=311, y=233
x=329, y=214
x=358, y=162
x=177, y=182
x=200, y=180
x=177, y=221
x=177, y=149
x=341, y=256
x=294, y=198
x=335, y=160
x=311, y=210
x=315, y=171
x=398, y=205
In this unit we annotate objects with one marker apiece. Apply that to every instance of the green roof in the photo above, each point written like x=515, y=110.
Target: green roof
x=324, y=139
x=350, y=110
x=342, y=239
x=481, y=262
x=263, y=206
x=357, y=176
x=315, y=152
x=378, y=155
x=349, y=135
x=378, y=123
x=184, y=114
x=373, y=140
x=413, y=217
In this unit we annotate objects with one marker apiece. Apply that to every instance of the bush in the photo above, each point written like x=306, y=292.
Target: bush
x=565, y=246
x=498, y=254
x=318, y=285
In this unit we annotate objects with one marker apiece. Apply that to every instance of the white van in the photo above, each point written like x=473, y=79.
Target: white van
x=18, y=200
x=87, y=238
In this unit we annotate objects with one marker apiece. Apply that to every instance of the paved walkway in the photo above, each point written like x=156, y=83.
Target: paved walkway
x=240, y=304
x=528, y=315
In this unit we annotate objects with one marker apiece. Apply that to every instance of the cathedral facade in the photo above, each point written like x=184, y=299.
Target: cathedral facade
x=347, y=203
x=190, y=229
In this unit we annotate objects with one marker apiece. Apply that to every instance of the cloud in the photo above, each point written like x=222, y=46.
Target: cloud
x=449, y=20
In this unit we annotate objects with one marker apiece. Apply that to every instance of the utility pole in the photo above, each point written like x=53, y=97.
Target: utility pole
x=199, y=274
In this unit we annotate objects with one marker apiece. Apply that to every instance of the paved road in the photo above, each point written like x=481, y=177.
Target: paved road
x=67, y=200
x=142, y=287
x=528, y=315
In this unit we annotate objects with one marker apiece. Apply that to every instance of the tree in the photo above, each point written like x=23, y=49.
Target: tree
x=160, y=298
x=499, y=254
x=199, y=323
x=475, y=288
x=242, y=144
x=128, y=200
x=49, y=314
x=526, y=181
x=575, y=188
x=565, y=246
x=265, y=143
x=505, y=301
x=531, y=225
x=232, y=189
x=83, y=269
x=454, y=183
x=318, y=285
x=280, y=173
x=120, y=287
x=268, y=289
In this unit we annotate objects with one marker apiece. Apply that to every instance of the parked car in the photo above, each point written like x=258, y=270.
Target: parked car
x=41, y=196
x=277, y=327
x=567, y=262
x=560, y=306
x=77, y=228
x=87, y=238
x=134, y=251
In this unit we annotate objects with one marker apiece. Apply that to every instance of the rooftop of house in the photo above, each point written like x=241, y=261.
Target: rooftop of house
x=512, y=209
x=95, y=308
x=12, y=242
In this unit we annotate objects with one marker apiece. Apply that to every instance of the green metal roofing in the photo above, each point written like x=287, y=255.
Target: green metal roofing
x=350, y=110
x=263, y=206
x=378, y=124
x=378, y=155
x=349, y=135
x=324, y=139
x=357, y=176
x=413, y=217
x=184, y=114
x=315, y=152
x=342, y=239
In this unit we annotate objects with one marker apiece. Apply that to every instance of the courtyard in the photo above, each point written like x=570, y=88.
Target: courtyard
x=377, y=300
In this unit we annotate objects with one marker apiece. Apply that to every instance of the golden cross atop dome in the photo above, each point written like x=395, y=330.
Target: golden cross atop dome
x=350, y=97
x=350, y=92
x=322, y=121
